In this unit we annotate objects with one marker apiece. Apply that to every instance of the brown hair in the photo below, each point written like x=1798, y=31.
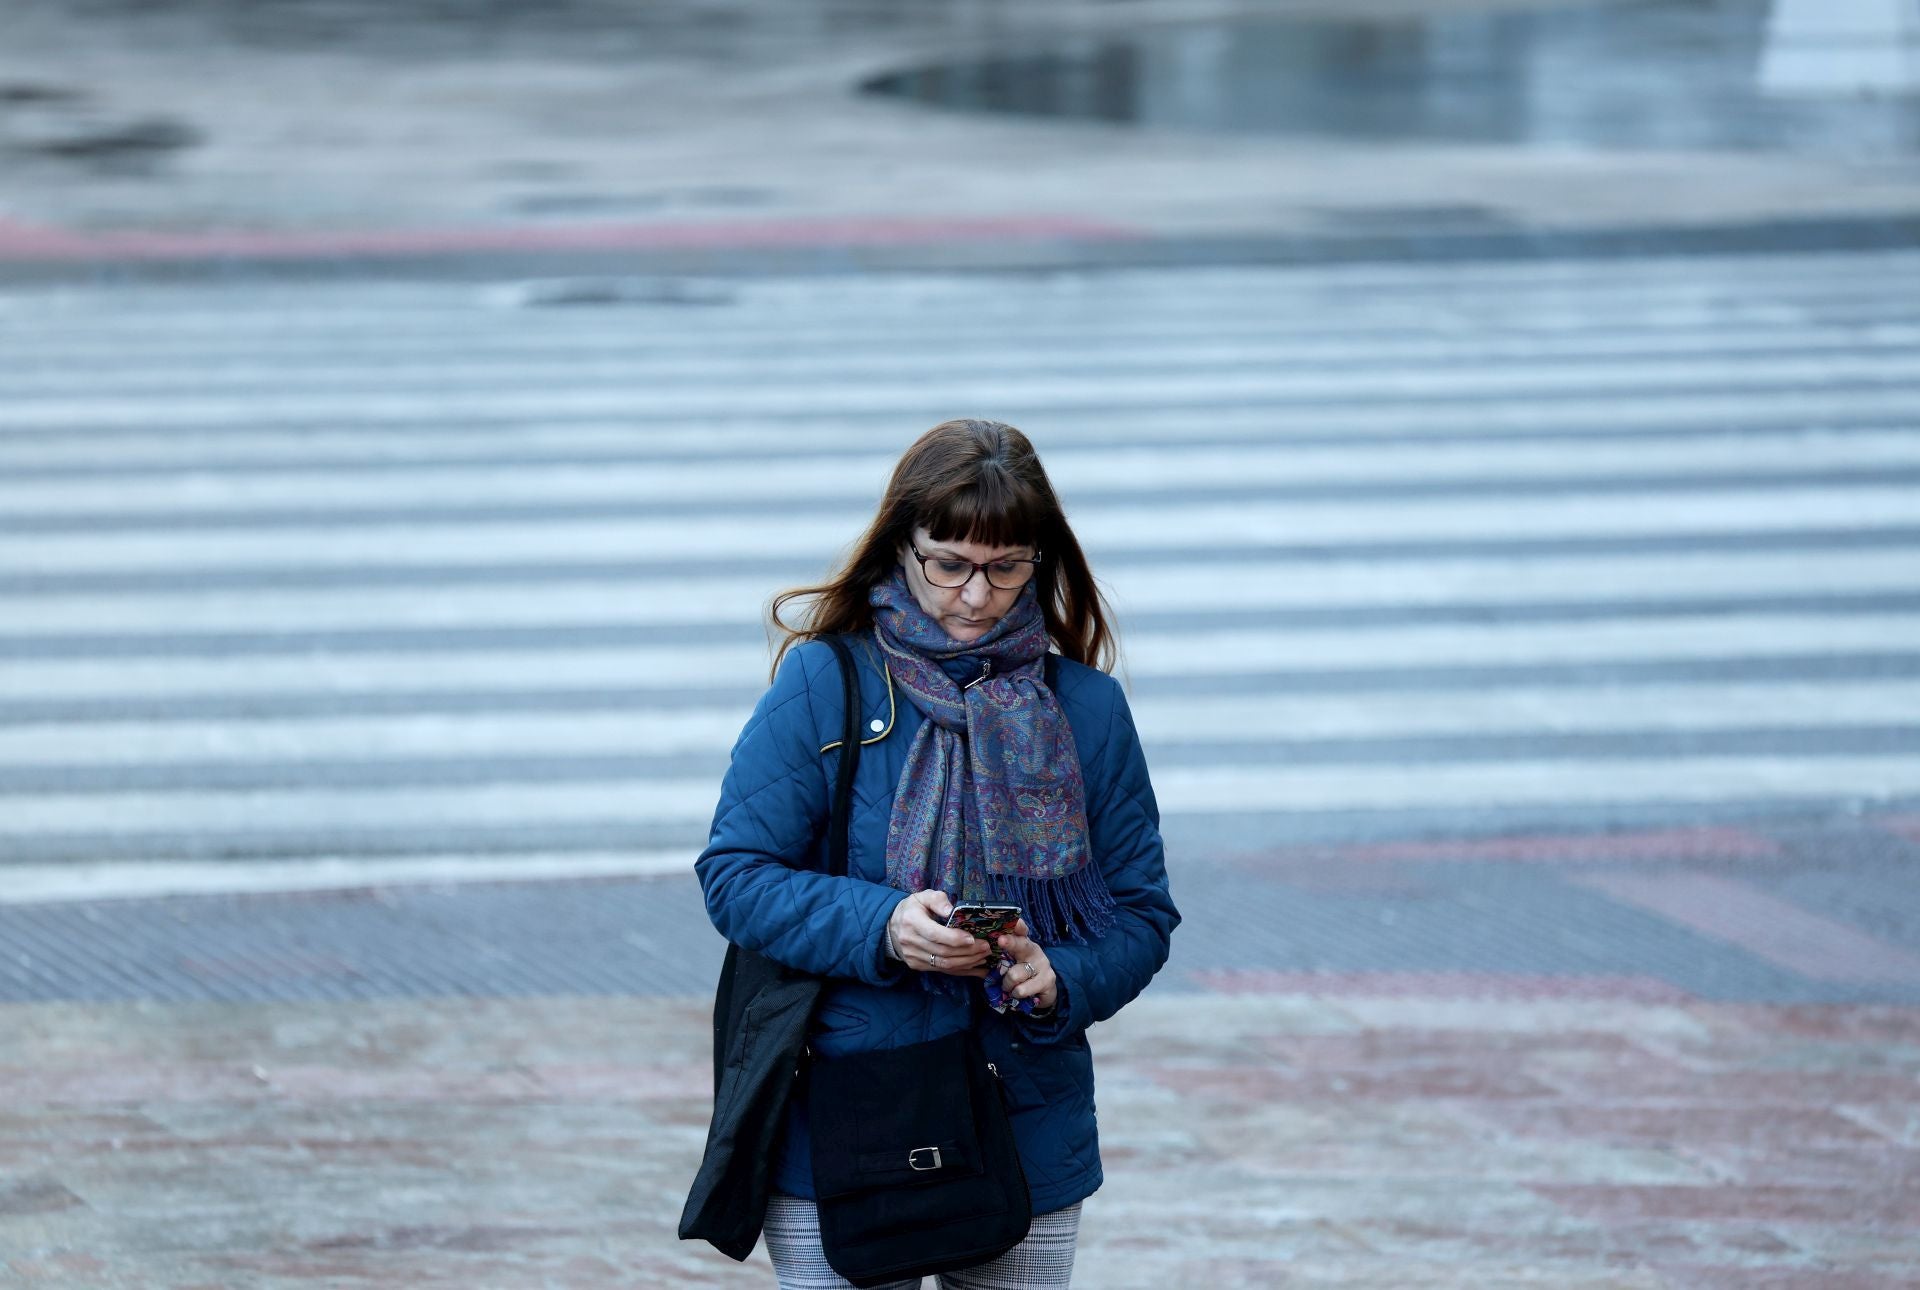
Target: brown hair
x=966, y=481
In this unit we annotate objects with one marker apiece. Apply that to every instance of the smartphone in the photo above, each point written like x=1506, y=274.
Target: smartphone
x=984, y=921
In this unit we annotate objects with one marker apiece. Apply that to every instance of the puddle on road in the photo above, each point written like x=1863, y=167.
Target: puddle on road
x=1668, y=75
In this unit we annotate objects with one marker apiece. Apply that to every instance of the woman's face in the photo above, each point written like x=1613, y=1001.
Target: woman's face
x=968, y=612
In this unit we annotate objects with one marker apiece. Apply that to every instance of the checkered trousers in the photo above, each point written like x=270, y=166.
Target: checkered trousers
x=1044, y=1261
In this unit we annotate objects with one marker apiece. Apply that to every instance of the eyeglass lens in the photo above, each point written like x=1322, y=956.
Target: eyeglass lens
x=1007, y=575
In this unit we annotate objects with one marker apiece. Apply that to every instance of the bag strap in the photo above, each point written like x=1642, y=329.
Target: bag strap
x=841, y=818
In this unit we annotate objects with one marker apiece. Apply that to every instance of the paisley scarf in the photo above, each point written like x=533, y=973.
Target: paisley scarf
x=990, y=805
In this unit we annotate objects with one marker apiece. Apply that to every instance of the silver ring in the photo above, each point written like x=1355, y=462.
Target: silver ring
x=1032, y=971
x=932, y=961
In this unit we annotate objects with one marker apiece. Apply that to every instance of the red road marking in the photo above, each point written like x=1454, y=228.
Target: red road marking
x=1903, y=826
x=1474, y=985
x=39, y=243
x=1699, y=843
x=1764, y=925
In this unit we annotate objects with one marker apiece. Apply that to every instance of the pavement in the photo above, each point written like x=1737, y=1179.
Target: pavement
x=1260, y=1140
x=1672, y=1058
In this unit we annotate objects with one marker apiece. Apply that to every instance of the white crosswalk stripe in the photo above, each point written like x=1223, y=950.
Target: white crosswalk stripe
x=1232, y=788
x=709, y=731
x=563, y=544
x=1509, y=581
x=894, y=395
x=848, y=481
x=414, y=580
x=586, y=364
x=1152, y=655
x=1638, y=416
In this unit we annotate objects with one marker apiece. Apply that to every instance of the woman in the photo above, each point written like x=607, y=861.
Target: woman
x=978, y=781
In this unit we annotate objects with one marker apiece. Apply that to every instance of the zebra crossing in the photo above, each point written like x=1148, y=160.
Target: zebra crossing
x=301, y=583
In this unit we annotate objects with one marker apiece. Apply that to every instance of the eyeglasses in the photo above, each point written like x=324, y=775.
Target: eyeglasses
x=950, y=574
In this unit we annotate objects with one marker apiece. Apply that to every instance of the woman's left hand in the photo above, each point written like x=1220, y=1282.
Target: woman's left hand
x=1027, y=974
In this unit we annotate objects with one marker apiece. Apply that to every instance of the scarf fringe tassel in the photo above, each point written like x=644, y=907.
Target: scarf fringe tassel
x=1077, y=907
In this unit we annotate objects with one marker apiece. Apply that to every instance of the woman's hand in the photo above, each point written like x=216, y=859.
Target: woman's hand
x=925, y=942
x=1027, y=973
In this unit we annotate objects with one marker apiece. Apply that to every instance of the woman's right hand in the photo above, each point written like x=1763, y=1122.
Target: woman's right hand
x=927, y=944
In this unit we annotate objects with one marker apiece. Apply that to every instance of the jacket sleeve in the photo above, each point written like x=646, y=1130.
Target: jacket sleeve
x=756, y=874
x=1098, y=978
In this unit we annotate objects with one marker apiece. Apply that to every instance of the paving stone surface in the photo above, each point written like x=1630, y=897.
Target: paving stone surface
x=1253, y=1140
x=351, y=1101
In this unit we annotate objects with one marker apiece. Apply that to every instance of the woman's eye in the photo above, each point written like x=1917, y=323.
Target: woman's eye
x=953, y=568
x=1005, y=566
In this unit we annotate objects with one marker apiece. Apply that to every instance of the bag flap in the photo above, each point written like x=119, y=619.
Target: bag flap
x=893, y=1117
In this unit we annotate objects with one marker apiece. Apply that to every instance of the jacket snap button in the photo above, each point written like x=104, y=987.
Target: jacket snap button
x=876, y=725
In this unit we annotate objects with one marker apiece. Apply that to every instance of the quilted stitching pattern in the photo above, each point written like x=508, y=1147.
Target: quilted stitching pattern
x=760, y=874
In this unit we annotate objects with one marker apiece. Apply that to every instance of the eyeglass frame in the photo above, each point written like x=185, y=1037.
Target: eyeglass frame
x=978, y=567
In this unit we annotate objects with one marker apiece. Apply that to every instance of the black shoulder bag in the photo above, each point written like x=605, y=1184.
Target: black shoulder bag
x=760, y=1015
x=915, y=1168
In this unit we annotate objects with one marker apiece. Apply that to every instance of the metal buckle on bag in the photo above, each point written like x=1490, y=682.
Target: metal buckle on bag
x=923, y=1151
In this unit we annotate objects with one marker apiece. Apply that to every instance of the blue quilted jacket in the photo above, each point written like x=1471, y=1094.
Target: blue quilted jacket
x=763, y=874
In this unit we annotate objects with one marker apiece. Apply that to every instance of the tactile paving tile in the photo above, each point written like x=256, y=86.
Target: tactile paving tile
x=1507, y=922
x=648, y=937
